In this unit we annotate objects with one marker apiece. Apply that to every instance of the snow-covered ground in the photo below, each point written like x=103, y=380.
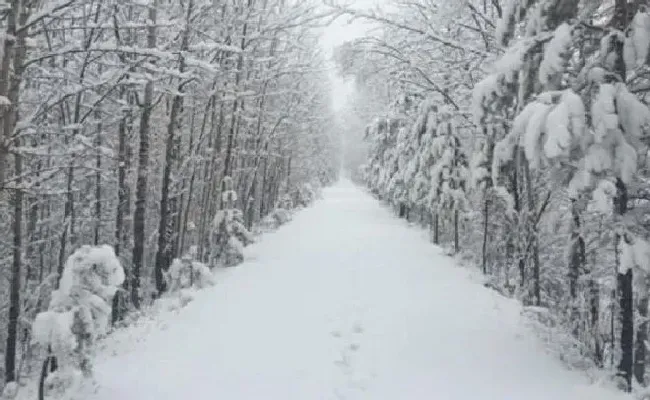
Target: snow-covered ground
x=345, y=302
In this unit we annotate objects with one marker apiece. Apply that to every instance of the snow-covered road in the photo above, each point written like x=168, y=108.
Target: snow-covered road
x=345, y=302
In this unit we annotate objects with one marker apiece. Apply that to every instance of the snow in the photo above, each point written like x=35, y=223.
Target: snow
x=513, y=59
x=229, y=236
x=603, y=111
x=478, y=166
x=344, y=302
x=535, y=128
x=276, y=218
x=504, y=151
x=581, y=180
x=502, y=193
x=93, y=268
x=608, y=44
x=635, y=253
x=597, y=159
x=78, y=313
x=555, y=53
x=564, y=124
x=10, y=390
x=634, y=115
x=504, y=24
x=186, y=273
x=482, y=94
x=637, y=42
x=618, y=119
x=504, y=72
x=53, y=328
x=90, y=278
x=625, y=160
x=603, y=197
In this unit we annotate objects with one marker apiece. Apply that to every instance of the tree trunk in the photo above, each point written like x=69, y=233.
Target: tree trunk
x=45, y=369
x=436, y=238
x=67, y=221
x=165, y=228
x=14, y=294
x=486, y=210
x=186, y=205
x=537, y=291
x=168, y=229
x=235, y=107
x=123, y=166
x=595, y=317
x=456, y=244
x=123, y=163
x=626, y=296
x=32, y=235
x=19, y=12
x=214, y=145
x=521, y=262
x=532, y=232
x=98, y=183
x=124, y=150
x=143, y=170
x=511, y=247
x=641, y=338
x=626, y=304
x=9, y=44
x=264, y=208
x=576, y=264
x=211, y=200
x=69, y=214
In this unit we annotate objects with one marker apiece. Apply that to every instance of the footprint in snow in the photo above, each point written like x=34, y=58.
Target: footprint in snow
x=344, y=362
x=357, y=328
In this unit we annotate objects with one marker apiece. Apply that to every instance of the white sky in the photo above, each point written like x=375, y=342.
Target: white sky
x=340, y=31
x=337, y=33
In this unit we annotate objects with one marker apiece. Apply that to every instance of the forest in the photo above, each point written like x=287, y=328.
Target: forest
x=145, y=143
x=516, y=132
x=162, y=128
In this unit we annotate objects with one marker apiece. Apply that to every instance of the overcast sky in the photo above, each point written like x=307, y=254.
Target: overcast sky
x=337, y=33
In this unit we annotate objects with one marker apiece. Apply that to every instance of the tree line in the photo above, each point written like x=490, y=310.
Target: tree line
x=122, y=123
x=518, y=132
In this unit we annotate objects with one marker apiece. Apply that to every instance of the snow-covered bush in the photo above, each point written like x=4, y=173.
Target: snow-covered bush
x=276, y=218
x=279, y=216
x=79, y=311
x=304, y=195
x=285, y=202
x=184, y=277
x=186, y=272
x=229, y=234
x=10, y=391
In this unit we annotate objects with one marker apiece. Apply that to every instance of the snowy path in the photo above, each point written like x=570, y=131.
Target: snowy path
x=345, y=302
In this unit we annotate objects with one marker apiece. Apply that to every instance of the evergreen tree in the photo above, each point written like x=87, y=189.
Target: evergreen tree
x=229, y=234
